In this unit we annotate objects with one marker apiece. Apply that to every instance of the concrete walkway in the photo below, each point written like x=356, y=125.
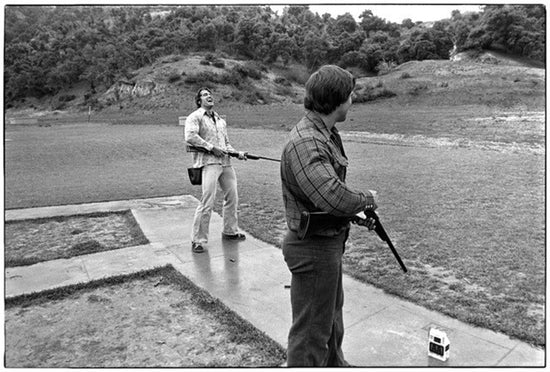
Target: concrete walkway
x=252, y=279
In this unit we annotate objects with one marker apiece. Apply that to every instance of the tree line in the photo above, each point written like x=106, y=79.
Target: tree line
x=48, y=48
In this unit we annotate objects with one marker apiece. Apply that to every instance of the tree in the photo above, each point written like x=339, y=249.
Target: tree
x=345, y=23
x=370, y=22
x=206, y=35
x=315, y=50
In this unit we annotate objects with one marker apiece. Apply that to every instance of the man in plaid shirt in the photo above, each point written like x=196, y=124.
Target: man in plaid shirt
x=313, y=173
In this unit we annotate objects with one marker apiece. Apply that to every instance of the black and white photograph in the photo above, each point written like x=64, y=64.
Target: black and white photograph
x=274, y=185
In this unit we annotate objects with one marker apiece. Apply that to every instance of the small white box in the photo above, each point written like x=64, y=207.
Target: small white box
x=438, y=344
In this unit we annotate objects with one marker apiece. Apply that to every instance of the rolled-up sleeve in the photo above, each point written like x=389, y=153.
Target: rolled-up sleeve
x=192, y=133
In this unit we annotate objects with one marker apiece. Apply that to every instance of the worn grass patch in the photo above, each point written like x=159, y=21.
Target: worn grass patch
x=156, y=318
x=30, y=241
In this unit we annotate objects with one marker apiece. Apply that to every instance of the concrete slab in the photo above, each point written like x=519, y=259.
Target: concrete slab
x=182, y=201
x=43, y=276
x=257, y=292
x=251, y=278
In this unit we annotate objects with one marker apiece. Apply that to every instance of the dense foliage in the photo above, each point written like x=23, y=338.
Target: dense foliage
x=50, y=47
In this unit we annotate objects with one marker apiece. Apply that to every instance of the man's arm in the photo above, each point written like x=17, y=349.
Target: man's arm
x=311, y=165
x=192, y=137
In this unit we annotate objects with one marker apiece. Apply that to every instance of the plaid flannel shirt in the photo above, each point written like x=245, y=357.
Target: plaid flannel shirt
x=203, y=131
x=313, y=174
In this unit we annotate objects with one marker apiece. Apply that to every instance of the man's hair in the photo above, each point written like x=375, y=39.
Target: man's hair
x=198, y=95
x=328, y=88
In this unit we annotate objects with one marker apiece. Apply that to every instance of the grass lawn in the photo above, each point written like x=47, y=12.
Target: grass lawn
x=469, y=223
x=30, y=241
x=150, y=319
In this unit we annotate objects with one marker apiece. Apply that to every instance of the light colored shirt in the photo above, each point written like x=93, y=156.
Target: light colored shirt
x=313, y=175
x=203, y=131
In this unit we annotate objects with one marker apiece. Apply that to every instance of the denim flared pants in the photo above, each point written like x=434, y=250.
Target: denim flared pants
x=317, y=298
x=212, y=174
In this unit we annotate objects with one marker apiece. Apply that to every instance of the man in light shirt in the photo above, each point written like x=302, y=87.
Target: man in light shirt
x=207, y=130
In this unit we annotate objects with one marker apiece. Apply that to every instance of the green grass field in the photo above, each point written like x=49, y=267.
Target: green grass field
x=468, y=221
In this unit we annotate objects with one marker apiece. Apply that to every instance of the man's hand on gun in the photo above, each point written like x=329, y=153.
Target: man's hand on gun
x=241, y=155
x=216, y=151
x=368, y=222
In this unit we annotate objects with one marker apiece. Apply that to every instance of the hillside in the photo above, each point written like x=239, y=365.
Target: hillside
x=170, y=84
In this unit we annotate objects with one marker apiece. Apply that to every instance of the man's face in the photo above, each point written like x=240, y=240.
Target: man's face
x=343, y=110
x=207, y=102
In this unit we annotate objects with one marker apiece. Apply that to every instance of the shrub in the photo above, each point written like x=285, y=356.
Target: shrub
x=248, y=70
x=297, y=75
x=405, y=75
x=231, y=78
x=385, y=67
x=282, y=81
x=250, y=95
x=218, y=64
x=418, y=89
x=284, y=90
x=201, y=77
x=174, y=77
x=370, y=94
x=66, y=97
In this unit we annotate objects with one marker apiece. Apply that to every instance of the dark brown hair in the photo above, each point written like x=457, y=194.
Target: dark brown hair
x=328, y=88
x=198, y=95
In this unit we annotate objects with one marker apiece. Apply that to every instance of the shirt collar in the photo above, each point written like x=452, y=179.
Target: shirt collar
x=203, y=112
x=320, y=124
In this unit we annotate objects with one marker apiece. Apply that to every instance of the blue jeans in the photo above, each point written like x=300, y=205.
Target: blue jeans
x=317, y=298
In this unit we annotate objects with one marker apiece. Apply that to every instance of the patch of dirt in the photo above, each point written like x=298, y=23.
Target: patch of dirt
x=158, y=319
x=31, y=241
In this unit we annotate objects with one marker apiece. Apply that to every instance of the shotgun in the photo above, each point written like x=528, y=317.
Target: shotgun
x=311, y=222
x=232, y=154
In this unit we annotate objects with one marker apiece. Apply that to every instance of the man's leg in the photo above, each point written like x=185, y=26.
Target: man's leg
x=314, y=297
x=335, y=354
x=228, y=183
x=201, y=221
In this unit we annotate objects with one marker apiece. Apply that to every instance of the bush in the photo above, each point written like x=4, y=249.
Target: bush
x=250, y=70
x=201, y=77
x=66, y=97
x=218, y=64
x=405, y=75
x=282, y=81
x=385, y=67
x=297, y=75
x=174, y=77
x=231, y=78
x=418, y=89
x=284, y=90
x=369, y=94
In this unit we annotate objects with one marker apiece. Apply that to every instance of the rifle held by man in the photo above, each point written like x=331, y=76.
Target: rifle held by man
x=231, y=153
x=311, y=222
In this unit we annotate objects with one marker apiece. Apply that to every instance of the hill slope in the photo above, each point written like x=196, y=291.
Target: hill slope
x=170, y=84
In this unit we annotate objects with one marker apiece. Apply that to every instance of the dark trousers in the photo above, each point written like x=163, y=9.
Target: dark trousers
x=317, y=298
